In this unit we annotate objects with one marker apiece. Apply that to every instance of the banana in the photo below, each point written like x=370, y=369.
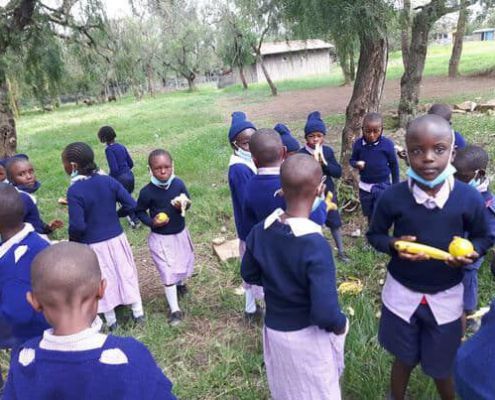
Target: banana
x=330, y=204
x=417, y=248
x=318, y=154
x=184, y=201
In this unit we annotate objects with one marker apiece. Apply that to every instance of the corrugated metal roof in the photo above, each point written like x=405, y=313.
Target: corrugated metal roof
x=484, y=30
x=294, y=45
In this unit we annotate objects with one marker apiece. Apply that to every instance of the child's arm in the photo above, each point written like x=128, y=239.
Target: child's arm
x=77, y=222
x=332, y=168
x=248, y=218
x=378, y=233
x=477, y=226
x=143, y=205
x=250, y=268
x=393, y=163
x=112, y=162
x=355, y=155
x=124, y=198
x=129, y=159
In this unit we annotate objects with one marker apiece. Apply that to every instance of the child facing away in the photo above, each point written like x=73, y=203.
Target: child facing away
x=314, y=133
x=475, y=363
x=445, y=111
x=93, y=219
x=169, y=241
x=373, y=155
x=304, y=332
x=289, y=141
x=73, y=360
x=120, y=164
x=21, y=174
x=423, y=298
x=471, y=164
x=19, y=245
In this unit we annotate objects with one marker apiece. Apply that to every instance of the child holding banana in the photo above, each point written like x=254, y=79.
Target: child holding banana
x=161, y=205
x=314, y=133
x=423, y=297
x=373, y=155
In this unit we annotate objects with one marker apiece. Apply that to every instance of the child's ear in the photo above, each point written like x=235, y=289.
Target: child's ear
x=454, y=153
x=102, y=288
x=283, y=153
x=255, y=162
x=33, y=301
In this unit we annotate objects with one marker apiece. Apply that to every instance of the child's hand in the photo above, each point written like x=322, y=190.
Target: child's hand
x=360, y=165
x=457, y=262
x=409, y=256
x=56, y=224
x=177, y=204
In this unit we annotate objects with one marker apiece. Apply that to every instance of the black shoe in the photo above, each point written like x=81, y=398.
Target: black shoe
x=113, y=327
x=472, y=326
x=255, y=317
x=182, y=290
x=342, y=257
x=139, y=321
x=175, y=318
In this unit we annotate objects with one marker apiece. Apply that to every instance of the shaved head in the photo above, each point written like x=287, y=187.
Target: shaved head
x=300, y=175
x=65, y=275
x=429, y=125
x=11, y=207
x=266, y=147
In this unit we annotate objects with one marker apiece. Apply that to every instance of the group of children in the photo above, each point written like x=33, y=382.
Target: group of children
x=51, y=295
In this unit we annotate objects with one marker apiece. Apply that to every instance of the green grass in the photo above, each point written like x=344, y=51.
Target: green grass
x=213, y=355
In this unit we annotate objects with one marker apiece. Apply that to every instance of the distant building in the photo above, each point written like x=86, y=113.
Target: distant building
x=287, y=60
x=484, y=34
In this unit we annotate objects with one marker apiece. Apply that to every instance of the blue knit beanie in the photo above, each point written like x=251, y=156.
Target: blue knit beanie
x=314, y=124
x=239, y=123
x=288, y=140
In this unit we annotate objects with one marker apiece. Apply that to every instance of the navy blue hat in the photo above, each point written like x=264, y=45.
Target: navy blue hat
x=314, y=124
x=239, y=123
x=288, y=140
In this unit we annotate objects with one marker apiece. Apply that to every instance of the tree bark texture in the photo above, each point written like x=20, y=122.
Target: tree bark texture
x=367, y=92
x=190, y=81
x=243, y=77
x=455, y=57
x=405, y=31
x=8, y=135
x=267, y=76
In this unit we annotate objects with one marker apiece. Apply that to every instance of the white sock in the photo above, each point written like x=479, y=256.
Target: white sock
x=110, y=317
x=250, y=301
x=171, y=295
x=137, y=309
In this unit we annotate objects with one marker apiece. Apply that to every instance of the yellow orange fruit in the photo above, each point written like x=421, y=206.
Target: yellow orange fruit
x=162, y=217
x=460, y=247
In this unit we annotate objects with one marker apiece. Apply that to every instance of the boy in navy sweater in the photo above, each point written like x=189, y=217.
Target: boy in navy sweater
x=20, y=244
x=423, y=298
x=373, y=155
x=288, y=255
x=314, y=133
x=73, y=360
x=445, y=111
x=471, y=163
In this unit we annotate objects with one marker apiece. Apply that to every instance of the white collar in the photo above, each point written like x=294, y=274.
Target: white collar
x=299, y=226
x=269, y=171
x=430, y=202
x=309, y=149
x=87, y=339
x=483, y=187
x=84, y=177
x=234, y=159
x=17, y=238
x=31, y=196
x=365, y=143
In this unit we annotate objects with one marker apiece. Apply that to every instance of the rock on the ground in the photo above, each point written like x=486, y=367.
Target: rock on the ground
x=484, y=107
x=227, y=250
x=459, y=112
x=467, y=106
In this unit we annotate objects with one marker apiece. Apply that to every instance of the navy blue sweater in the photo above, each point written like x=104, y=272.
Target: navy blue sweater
x=92, y=205
x=239, y=175
x=380, y=158
x=32, y=215
x=82, y=375
x=153, y=200
x=119, y=160
x=332, y=170
x=463, y=215
x=297, y=275
x=18, y=320
x=460, y=142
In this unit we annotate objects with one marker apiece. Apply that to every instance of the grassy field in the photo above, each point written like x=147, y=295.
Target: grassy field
x=213, y=355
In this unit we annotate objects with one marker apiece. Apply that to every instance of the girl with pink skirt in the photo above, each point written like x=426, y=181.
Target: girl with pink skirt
x=92, y=201
x=161, y=206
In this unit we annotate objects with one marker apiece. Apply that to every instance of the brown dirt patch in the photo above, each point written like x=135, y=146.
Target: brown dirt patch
x=295, y=105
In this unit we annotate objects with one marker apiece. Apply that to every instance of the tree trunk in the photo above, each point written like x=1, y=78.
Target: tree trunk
x=267, y=77
x=352, y=64
x=405, y=32
x=455, y=58
x=149, y=78
x=190, y=81
x=367, y=93
x=344, y=59
x=243, y=77
x=8, y=134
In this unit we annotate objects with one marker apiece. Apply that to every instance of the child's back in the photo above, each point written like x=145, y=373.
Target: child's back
x=119, y=160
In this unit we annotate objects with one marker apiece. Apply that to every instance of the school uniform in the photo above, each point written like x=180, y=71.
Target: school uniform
x=459, y=141
x=380, y=163
x=18, y=320
x=293, y=262
x=32, y=214
x=85, y=365
x=475, y=364
x=170, y=246
x=93, y=219
x=423, y=301
x=331, y=170
x=120, y=164
x=470, y=280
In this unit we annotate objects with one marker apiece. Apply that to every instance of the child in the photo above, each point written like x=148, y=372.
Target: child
x=471, y=163
x=19, y=245
x=289, y=141
x=423, y=298
x=373, y=155
x=289, y=256
x=73, y=360
x=475, y=364
x=93, y=219
x=21, y=174
x=3, y=172
x=120, y=164
x=314, y=133
x=169, y=242
x=241, y=170
x=445, y=111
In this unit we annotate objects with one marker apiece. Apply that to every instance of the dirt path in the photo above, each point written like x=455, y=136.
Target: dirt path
x=295, y=105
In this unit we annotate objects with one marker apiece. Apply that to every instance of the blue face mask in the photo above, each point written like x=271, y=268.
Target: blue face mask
x=475, y=183
x=447, y=172
x=245, y=155
x=316, y=203
x=74, y=174
x=162, y=184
